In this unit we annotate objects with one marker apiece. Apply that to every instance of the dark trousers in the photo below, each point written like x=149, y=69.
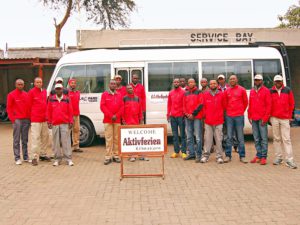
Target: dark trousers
x=178, y=123
x=20, y=133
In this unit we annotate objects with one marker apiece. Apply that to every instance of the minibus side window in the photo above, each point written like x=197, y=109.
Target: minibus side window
x=89, y=78
x=268, y=68
x=243, y=71
x=161, y=75
x=211, y=70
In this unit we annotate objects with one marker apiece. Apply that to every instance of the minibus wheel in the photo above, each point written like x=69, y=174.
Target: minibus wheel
x=87, y=133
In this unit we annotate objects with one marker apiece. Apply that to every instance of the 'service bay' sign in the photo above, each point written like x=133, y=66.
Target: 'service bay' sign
x=207, y=37
x=143, y=139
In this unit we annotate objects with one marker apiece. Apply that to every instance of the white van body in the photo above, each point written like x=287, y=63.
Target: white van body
x=94, y=68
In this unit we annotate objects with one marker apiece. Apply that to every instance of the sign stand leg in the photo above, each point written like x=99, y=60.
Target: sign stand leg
x=163, y=166
x=122, y=168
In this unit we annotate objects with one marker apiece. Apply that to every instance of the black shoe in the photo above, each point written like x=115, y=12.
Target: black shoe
x=107, y=161
x=117, y=160
x=198, y=159
x=34, y=162
x=190, y=157
x=45, y=158
x=77, y=150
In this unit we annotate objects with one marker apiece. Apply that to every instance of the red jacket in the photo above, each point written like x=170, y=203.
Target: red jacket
x=259, y=104
x=37, y=103
x=236, y=101
x=139, y=91
x=122, y=91
x=193, y=103
x=59, y=112
x=175, y=103
x=214, y=106
x=17, y=105
x=283, y=104
x=111, y=104
x=132, y=112
x=75, y=99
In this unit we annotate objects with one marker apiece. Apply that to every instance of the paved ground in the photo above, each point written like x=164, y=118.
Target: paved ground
x=91, y=193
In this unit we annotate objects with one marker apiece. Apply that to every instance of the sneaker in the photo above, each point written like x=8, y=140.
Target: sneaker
x=19, y=162
x=291, y=164
x=34, y=162
x=132, y=159
x=107, y=161
x=220, y=161
x=183, y=155
x=197, y=160
x=143, y=159
x=117, y=160
x=227, y=159
x=204, y=160
x=243, y=160
x=263, y=161
x=77, y=150
x=174, y=155
x=56, y=163
x=189, y=157
x=277, y=162
x=45, y=158
x=255, y=160
x=70, y=163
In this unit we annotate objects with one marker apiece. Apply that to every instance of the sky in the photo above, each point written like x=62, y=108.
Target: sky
x=27, y=23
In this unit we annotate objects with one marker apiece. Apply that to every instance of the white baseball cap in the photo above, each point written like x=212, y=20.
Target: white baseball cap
x=221, y=76
x=258, y=77
x=278, y=78
x=59, y=79
x=58, y=86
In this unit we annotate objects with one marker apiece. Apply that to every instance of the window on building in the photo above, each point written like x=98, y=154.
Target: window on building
x=268, y=68
x=161, y=75
x=89, y=78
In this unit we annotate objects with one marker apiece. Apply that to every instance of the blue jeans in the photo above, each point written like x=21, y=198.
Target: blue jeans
x=178, y=122
x=236, y=124
x=194, y=127
x=260, y=134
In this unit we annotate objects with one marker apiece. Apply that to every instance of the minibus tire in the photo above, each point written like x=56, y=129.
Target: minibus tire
x=86, y=132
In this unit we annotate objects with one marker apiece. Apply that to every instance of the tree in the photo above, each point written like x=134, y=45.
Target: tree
x=291, y=19
x=108, y=13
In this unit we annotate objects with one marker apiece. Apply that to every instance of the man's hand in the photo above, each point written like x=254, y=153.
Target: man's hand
x=141, y=121
x=50, y=126
x=70, y=125
x=250, y=121
x=114, y=118
x=263, y=123
x=191, y=117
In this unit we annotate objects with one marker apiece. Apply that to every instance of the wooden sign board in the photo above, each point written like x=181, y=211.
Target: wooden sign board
x=142, y=140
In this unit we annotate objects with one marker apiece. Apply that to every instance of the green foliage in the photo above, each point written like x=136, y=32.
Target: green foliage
x=291, y=19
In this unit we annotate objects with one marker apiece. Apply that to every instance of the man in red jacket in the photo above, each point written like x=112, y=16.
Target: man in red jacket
x=75, y=99
x=18, y=113
x=139, y=91
x=236, y=103
x=120, y=88
x=60, y=120
x=132, y=111
x=192, y=109
x=39, y=128
x=176, y=117
x=283, y=104
x=111, y=105
x=214, y=106
x=258, y=114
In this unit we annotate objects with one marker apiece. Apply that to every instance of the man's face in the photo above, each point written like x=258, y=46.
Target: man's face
x=176, y=83
x=58, y=91
x=191, y=83
x=112, y=85
x=129, y=89
x=213, y=85
x=233, y=80
x=118, y=81
x=182, y=82
x=38, y=83
x=20, y=85
x=135, y=79
x=278, y=84
x=221, y=81
x=73, y=84
x=203, y=83
x=258, y=82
